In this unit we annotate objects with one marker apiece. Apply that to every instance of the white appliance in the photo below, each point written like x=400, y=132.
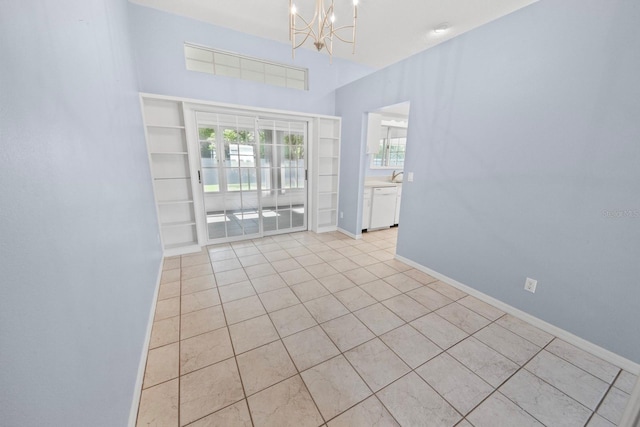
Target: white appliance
x=397, y=219
x=366, y=208
x=383, y=207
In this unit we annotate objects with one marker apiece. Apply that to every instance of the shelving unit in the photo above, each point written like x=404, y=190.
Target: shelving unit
x=174, y=159
x=326, y=171
x=170, y=171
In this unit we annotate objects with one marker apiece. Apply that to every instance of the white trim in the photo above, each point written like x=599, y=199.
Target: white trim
x=631, y=415
x=327, y=229
x=581, y=343
x=236, y=106
x=137, y=391
x=345, y=232
x=191, y=104
x=241, y=68
x=182, y=250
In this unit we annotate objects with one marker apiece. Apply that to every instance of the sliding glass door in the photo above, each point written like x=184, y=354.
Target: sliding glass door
x=282, y=175
x=252, y=175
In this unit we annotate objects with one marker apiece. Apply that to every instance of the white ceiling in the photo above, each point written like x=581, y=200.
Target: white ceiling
x=388, y=30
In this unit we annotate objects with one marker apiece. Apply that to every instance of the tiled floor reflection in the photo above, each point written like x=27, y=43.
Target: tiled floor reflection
x=313, y=330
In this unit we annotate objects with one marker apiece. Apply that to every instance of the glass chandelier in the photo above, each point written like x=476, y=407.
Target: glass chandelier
x=320, y=28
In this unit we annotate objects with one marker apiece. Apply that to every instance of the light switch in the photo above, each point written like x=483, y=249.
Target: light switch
x=410, y=177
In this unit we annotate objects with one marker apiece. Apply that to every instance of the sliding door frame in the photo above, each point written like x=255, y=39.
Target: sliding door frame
x=190, y=110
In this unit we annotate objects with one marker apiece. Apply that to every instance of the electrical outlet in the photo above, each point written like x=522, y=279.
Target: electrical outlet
x=530, y=285
x=341, y=214
x=410, y=177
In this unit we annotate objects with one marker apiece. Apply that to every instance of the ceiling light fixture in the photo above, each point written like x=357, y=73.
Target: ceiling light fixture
x=441, y=29
x=320, y=28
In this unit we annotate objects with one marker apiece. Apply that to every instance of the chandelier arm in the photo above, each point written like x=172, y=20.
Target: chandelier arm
x=302, y=42
x=355, y=21
x=343, y=28
x=305, y=30
x=323, y=25
x=329, y=47
x=307, y=25
x=310, y=32
x=323, y=19
x=343, y=40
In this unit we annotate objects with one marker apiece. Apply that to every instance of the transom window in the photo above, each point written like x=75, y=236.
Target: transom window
x=218, y=62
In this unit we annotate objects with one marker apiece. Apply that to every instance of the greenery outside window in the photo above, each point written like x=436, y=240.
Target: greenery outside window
x=280, y=154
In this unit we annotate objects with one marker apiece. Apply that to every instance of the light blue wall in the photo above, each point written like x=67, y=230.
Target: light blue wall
x=522, y=134
x=79, y=255
x=159, y=39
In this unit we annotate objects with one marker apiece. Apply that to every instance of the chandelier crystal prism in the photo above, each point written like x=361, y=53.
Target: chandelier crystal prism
x=320, y=29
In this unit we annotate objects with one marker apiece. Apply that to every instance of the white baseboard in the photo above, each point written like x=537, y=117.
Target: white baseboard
x=581, y=343
x=631, y=415
x=346, y=233
x=137, y=392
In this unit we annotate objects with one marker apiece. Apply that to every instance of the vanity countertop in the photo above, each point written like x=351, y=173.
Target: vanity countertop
x=380, y=182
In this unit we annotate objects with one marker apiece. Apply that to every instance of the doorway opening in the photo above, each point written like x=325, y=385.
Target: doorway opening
x=387, y=136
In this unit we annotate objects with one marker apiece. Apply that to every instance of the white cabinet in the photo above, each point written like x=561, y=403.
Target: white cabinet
x=366, y=208
x=170, y=171
x=383, y=207
x=326, y=170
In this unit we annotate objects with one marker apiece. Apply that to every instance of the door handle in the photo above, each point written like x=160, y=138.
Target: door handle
x=199, y=178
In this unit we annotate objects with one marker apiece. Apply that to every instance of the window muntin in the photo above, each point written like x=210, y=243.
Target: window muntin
x=212, y=61
x=392, y=148
x=229, y=154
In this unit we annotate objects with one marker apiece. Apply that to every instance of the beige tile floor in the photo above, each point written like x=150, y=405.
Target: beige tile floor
x=312, y=330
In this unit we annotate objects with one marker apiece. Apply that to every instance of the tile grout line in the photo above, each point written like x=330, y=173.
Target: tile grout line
x=349, y=311
x=375, y=336
x=341, y=352
x=179, y=346
x=497, y=388
x=317, y=324
x=604, y=396
x=233, y=349
x=281, y=339
x=298, y=373
x=529, y=360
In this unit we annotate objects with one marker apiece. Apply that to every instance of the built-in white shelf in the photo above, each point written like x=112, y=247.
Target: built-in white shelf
x=327, y=171
x=170, y=169
x=171, y=178
x=182, y=247
x=178, y=224
x=174, y=202
x=165, y=127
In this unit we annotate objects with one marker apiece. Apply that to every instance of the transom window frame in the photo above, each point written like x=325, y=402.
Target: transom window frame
x=225, y=63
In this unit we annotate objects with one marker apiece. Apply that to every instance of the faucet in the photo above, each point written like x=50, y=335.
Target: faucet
x=394, y=175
